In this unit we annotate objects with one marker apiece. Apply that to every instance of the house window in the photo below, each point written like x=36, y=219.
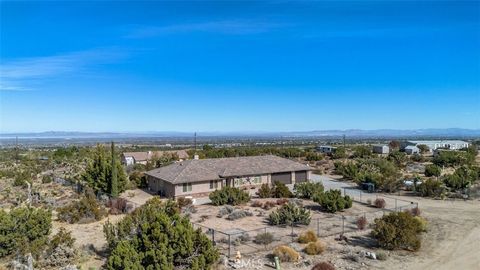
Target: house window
x=187, y=187
x=213, y=184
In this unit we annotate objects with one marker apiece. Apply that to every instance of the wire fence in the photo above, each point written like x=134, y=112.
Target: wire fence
x=266, y=237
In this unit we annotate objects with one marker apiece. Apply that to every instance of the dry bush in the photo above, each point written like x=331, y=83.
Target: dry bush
x=238, y=214
x=117, y=206
x=307, y=237
x=362, y=223
x=182, y=202
x=86, y=210
x=380, y=203
x=269, y=205
x=286, y=254
x=282, y=201
x=323, y=266
x=315, y=248
x=256, y=204
x=415, y=211
x=263, y=238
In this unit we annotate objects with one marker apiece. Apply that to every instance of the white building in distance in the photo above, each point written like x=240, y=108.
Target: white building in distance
x=434, y=145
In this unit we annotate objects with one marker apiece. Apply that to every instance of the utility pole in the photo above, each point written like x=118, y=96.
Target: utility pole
x=343, y=141
x=16, y=150
x=195, y=141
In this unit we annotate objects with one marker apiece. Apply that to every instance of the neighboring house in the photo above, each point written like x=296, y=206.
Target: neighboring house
x=411, y=149
x=131, y=158
x=434, y=145
x=199, y=177
x=326, y=149
x=381, y=149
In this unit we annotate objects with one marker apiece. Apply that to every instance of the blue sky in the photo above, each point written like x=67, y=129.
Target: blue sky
x=239, y=66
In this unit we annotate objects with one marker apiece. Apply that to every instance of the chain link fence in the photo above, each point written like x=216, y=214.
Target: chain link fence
x=266, y=238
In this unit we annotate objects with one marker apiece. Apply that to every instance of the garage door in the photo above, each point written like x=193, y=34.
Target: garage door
x=285, y=178
x=300, y=177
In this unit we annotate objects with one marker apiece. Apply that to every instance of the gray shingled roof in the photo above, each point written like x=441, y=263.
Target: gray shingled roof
x=218, y=168
x=143, y=156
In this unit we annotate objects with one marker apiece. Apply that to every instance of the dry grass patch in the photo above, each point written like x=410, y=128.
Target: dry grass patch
x=307, y=237
x=286, y=254
x=315, y=248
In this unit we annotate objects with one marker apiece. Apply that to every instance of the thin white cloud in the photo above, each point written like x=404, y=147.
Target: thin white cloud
x=227, y=27
x=18, y=74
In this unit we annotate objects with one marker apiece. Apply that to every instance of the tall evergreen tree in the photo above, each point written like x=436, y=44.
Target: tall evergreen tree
x=98, y=174
x=114, y=180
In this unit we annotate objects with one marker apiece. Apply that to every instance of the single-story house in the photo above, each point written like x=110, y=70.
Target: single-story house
x=434, y=145
x=131, y=158
x=411, y=149
x=381, y=149
x=326, y=149
x=199, y=177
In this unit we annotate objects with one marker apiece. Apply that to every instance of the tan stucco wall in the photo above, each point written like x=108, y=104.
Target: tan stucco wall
x=203, y=188
x=199, y=187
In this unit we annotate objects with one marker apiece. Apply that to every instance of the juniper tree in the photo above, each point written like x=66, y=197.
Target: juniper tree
x=99, y=173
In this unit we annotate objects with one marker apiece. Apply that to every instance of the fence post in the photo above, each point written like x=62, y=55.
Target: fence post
x=360, y=196
x=265, y=243
x=318, y=227
x=213, y=237
x=343, y=224
x=229, y=246
x=396, y=205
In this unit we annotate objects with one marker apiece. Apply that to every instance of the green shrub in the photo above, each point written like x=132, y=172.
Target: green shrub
x=431, y=188
x=21, y=178
x=462, y=178
x=398, y=230
x=307, y=190
x=264, y=191
x=421, y=223
x=47, y=179
x=286, y=254
x=432, y=170
x=333, y=201
x=61, y=238
x=138, y=179
x=381, y=255
x=156, y=234
x=264, y=238
x=24, y=230
x=280, y=190
x=315, y=248
x=307, y=237
x=87, y=209
x=289, y=214
x=229, y=195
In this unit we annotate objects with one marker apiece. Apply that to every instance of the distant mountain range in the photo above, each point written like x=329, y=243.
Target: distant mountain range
x=355, y=133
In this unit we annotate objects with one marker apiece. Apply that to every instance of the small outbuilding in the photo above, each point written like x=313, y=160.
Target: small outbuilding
x=411, y=149
x=381, y=149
